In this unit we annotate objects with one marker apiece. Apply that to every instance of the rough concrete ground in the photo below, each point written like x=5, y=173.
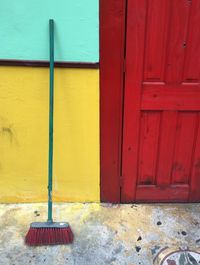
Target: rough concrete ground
x=104, y=233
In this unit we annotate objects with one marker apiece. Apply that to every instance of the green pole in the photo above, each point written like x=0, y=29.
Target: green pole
x=51, y=96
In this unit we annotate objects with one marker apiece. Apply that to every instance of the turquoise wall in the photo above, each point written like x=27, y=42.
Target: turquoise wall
x=24, y=29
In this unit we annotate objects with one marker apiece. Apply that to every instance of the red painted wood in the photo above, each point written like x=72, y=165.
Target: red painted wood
x=177, y=34
x=174, y=97
x=175, y=193
x=185, y=136
x=166, y=148
x=195, y=176
x=161, y=138
x=136, y=24
x=149, y=141
x=192, y=58
x=156, y=34
x=161, y=131
x=112, y=36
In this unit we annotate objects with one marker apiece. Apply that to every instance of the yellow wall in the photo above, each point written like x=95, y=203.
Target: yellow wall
x=24, y=134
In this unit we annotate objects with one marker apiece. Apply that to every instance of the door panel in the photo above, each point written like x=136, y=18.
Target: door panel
x=156, y=35
x=161, y=138
x=148, y=150
x=184, y=143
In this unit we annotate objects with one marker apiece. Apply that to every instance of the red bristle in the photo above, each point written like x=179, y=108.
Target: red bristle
x=49, y=236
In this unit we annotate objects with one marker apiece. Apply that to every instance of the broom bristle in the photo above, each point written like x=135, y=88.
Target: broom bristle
x=49, y=236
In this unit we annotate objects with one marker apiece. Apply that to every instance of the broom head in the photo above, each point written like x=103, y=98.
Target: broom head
x=49, y=233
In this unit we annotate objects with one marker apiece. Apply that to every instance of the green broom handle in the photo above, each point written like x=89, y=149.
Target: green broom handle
x=51, y=99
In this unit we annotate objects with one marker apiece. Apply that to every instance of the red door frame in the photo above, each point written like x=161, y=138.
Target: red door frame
x=112, y=47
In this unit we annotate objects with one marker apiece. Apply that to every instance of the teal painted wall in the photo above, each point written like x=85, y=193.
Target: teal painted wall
x=24, y=29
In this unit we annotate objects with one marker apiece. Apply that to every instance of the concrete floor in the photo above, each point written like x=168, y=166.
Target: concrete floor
x=104, y=233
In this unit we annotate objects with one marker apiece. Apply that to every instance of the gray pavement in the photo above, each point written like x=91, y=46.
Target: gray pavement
x=105, y=234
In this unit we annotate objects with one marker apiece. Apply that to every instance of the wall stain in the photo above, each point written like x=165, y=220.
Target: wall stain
x=9, y=133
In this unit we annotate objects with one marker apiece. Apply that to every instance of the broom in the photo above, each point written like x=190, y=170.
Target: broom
x=49, y=233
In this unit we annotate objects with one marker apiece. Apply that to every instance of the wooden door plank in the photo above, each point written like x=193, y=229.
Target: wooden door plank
x=175, y=193
x=149, y=141
x=185, y=137
x=195, y=177
x=166, y=148
x=156, y=39
x=177, y=40
x=112, y=38
x=192, y=58
x=136, y=26
x=160, y=97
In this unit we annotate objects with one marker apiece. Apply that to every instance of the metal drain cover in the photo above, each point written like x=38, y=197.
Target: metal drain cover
x=178, y=256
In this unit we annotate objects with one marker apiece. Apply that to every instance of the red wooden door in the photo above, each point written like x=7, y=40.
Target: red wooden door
x=161, y=136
